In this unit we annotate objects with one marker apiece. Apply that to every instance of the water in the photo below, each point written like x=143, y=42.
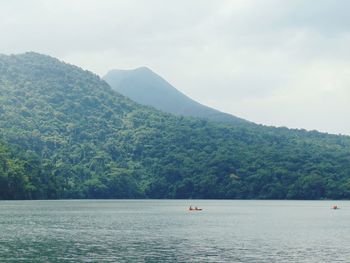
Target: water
x=164, y=231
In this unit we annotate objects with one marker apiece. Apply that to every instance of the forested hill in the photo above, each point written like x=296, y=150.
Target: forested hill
x=147, y=88
x=67, y=134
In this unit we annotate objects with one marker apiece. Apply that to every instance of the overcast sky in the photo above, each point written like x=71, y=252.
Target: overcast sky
x=281, y=63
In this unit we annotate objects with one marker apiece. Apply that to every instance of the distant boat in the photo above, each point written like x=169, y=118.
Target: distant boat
x=194, y=209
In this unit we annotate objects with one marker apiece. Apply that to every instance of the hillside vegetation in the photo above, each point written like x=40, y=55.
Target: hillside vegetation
x=67, y=134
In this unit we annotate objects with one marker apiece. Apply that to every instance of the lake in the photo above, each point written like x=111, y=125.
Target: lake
x=164, y=231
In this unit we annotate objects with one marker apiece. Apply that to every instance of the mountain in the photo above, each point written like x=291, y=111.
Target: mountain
x=67, y=134
x=147, y=88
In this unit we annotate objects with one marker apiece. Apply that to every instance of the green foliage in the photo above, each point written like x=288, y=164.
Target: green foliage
x=22, y=175
x=68, y=135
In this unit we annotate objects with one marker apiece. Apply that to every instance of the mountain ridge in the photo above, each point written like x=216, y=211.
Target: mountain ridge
x=77, y=138
x=148, y=88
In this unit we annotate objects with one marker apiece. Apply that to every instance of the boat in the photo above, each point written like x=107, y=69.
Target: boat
x=194, y=209
x=335, y=207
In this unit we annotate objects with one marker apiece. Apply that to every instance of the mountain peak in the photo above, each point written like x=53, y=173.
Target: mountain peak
x=126, y=72
x=33, y=55
x=148, y=88
x=143, y=69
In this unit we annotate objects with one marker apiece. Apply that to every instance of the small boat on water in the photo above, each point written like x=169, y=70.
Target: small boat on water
x=194, y=209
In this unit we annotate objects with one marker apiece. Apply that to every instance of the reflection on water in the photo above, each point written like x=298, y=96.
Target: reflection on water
x=164, y=231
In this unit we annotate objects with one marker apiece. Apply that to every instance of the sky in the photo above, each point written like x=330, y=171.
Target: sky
x=281, y=63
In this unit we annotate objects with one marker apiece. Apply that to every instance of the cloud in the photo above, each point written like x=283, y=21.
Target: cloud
x=273, y=62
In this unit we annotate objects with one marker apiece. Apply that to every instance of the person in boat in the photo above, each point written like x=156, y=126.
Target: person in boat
x=194, y=209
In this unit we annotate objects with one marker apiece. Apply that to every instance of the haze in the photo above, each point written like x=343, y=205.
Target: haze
x=281, y=63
